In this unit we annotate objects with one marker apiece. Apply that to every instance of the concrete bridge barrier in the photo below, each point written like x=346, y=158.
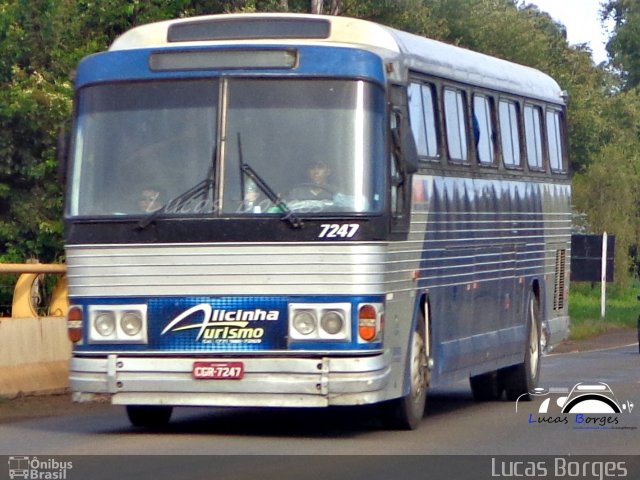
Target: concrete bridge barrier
x=34, y=348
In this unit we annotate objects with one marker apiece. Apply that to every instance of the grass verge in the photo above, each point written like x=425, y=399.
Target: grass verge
x=622, y=309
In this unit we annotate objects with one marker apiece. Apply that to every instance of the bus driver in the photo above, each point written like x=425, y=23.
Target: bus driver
x=317, y=189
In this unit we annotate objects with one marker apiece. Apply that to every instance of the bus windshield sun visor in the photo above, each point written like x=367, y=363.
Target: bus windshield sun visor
x=285, y=59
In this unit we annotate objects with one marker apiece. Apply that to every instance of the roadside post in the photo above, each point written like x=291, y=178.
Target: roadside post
x=592, y=260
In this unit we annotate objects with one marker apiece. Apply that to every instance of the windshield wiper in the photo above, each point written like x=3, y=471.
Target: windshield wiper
x=289, y=216
x=260, y=182
x=197, y=190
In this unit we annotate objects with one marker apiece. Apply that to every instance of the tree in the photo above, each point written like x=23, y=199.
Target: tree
x=34, y=101
x=624, y=44
x=609, y=190
x=316, y=6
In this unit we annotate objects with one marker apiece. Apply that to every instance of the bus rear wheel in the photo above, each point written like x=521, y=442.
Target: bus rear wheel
x=406, y=413
x=519, y=380
x=151, y=416
x=486, y=387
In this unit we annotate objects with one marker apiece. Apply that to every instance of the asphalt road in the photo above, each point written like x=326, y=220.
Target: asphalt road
x=453, y=424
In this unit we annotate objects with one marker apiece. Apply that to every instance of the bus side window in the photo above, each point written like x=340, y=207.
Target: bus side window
x=422, y=115
x=509, y=133
x=483, y=135
x=554, y=140
x=454, y=110
x=533, y=136
x=397, y=180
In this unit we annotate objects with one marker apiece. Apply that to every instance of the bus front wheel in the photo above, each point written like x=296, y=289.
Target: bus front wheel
x=406, y=413
x=151, y=416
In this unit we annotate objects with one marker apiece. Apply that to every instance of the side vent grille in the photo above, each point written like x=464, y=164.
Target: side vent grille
x=559, y=284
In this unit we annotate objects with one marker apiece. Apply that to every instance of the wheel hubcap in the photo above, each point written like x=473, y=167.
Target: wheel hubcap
x=534, y=341
x=418, y=375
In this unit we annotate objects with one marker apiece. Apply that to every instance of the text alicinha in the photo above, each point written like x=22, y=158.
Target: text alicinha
x=559, y=468
x=222, y=324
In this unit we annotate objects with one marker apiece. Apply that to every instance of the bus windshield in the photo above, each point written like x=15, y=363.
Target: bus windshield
x=142, y=147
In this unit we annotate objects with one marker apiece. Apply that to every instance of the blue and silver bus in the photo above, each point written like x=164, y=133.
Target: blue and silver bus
x=288, y=210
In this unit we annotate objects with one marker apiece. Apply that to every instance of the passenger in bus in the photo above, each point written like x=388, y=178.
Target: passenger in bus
x=476, y=130
x=252, y=198
x=317, y=188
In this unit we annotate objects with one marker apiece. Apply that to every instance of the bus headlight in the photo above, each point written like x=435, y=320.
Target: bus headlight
x=117, y=323
x=131, y=323
x=304, y=322
x=319, y=322
x=105, y=323
x=332, y=322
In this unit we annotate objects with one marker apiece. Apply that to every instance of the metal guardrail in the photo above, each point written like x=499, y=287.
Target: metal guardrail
x=33, y=268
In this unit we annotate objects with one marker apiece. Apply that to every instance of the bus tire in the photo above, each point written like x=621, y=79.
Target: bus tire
x=519, y=380
x=406, y=413
x=486, y=387
x=151, y=416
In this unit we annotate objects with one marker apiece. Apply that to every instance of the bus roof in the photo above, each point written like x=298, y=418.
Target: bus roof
x=412, y=52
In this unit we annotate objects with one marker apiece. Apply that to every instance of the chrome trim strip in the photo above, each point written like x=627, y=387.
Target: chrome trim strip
x=226, y=269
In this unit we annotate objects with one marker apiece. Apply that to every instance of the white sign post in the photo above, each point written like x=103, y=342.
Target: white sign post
x=603, y=278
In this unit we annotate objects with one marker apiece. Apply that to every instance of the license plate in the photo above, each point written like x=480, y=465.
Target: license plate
x=218, y=370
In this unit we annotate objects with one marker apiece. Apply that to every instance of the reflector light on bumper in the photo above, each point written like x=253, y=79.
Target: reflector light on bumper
x=370, y=322
x=74, y=324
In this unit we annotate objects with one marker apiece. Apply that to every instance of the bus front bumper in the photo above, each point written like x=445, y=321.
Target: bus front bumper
x=267, y=382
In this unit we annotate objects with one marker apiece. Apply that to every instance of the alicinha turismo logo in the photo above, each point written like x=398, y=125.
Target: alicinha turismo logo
x=220, y=325
x=583, y=407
